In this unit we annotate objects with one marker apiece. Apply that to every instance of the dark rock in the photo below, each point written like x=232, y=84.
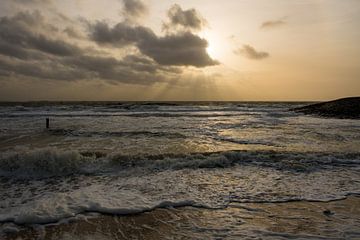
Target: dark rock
x=341, y=108
x=327, y=212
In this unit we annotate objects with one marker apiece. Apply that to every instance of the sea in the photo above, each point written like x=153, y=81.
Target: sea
x=125, y=158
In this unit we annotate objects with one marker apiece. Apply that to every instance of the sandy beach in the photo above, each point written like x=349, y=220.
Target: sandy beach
x=291, y=220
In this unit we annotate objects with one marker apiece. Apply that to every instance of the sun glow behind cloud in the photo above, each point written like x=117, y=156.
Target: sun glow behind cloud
x=216, y=46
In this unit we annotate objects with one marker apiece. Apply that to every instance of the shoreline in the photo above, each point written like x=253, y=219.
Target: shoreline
x=288, y=219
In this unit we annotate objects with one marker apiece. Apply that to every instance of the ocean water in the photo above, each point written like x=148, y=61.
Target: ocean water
x=124, y=158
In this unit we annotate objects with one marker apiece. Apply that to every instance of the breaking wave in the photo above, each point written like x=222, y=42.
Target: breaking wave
x=47, y=162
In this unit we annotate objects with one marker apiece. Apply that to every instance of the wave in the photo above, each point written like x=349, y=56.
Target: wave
x=164, y=180
x=245, y=142
x=146, y=110
x=129, y=114
x=47, y=162
x=291, y=161
x=43, y=212
x=76, y=133
x=83, y=203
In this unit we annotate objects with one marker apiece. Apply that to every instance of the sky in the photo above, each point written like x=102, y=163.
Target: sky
x=183, y=50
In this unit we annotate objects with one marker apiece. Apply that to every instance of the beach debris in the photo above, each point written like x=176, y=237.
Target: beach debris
x=327, y=212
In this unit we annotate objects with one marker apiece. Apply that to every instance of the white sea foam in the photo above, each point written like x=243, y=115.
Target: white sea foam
x=55, y=207
x=216, y=188
x=113, y=198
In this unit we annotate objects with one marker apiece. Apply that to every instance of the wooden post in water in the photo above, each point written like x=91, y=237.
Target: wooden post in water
x=47, y=123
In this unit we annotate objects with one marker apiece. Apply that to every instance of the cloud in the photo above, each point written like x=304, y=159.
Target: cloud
x=250, y=52
x=15, y=51
x=180, y=49
x=120, y=35
x=47, y=70
x=134, y=9
x=13, y=6
x=273, y=24
x=30, y=2
x=26, y=51
x=23, y=31
x=73, y=32
x=54, y=47
x=188, y=19
x=131, y=69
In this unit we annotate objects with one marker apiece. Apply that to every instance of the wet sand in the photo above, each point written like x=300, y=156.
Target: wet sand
x=296, y=220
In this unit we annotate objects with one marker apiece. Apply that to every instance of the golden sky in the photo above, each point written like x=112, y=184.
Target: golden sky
x=179, y=50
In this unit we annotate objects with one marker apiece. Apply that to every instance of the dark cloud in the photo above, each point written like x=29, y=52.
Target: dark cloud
x=134, y=9
x=132, y=69
x=250, y=52
x=26, y=52
x=273, y=24
x=48, y=70
x=181, y=49
x=188, y=19
x=56, y=47
x=24, y=31
x=32, y=47
x=19, y=52
x=14, y=51
x=120, y=35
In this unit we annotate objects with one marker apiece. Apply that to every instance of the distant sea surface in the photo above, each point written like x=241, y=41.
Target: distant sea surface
x=124, y=158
